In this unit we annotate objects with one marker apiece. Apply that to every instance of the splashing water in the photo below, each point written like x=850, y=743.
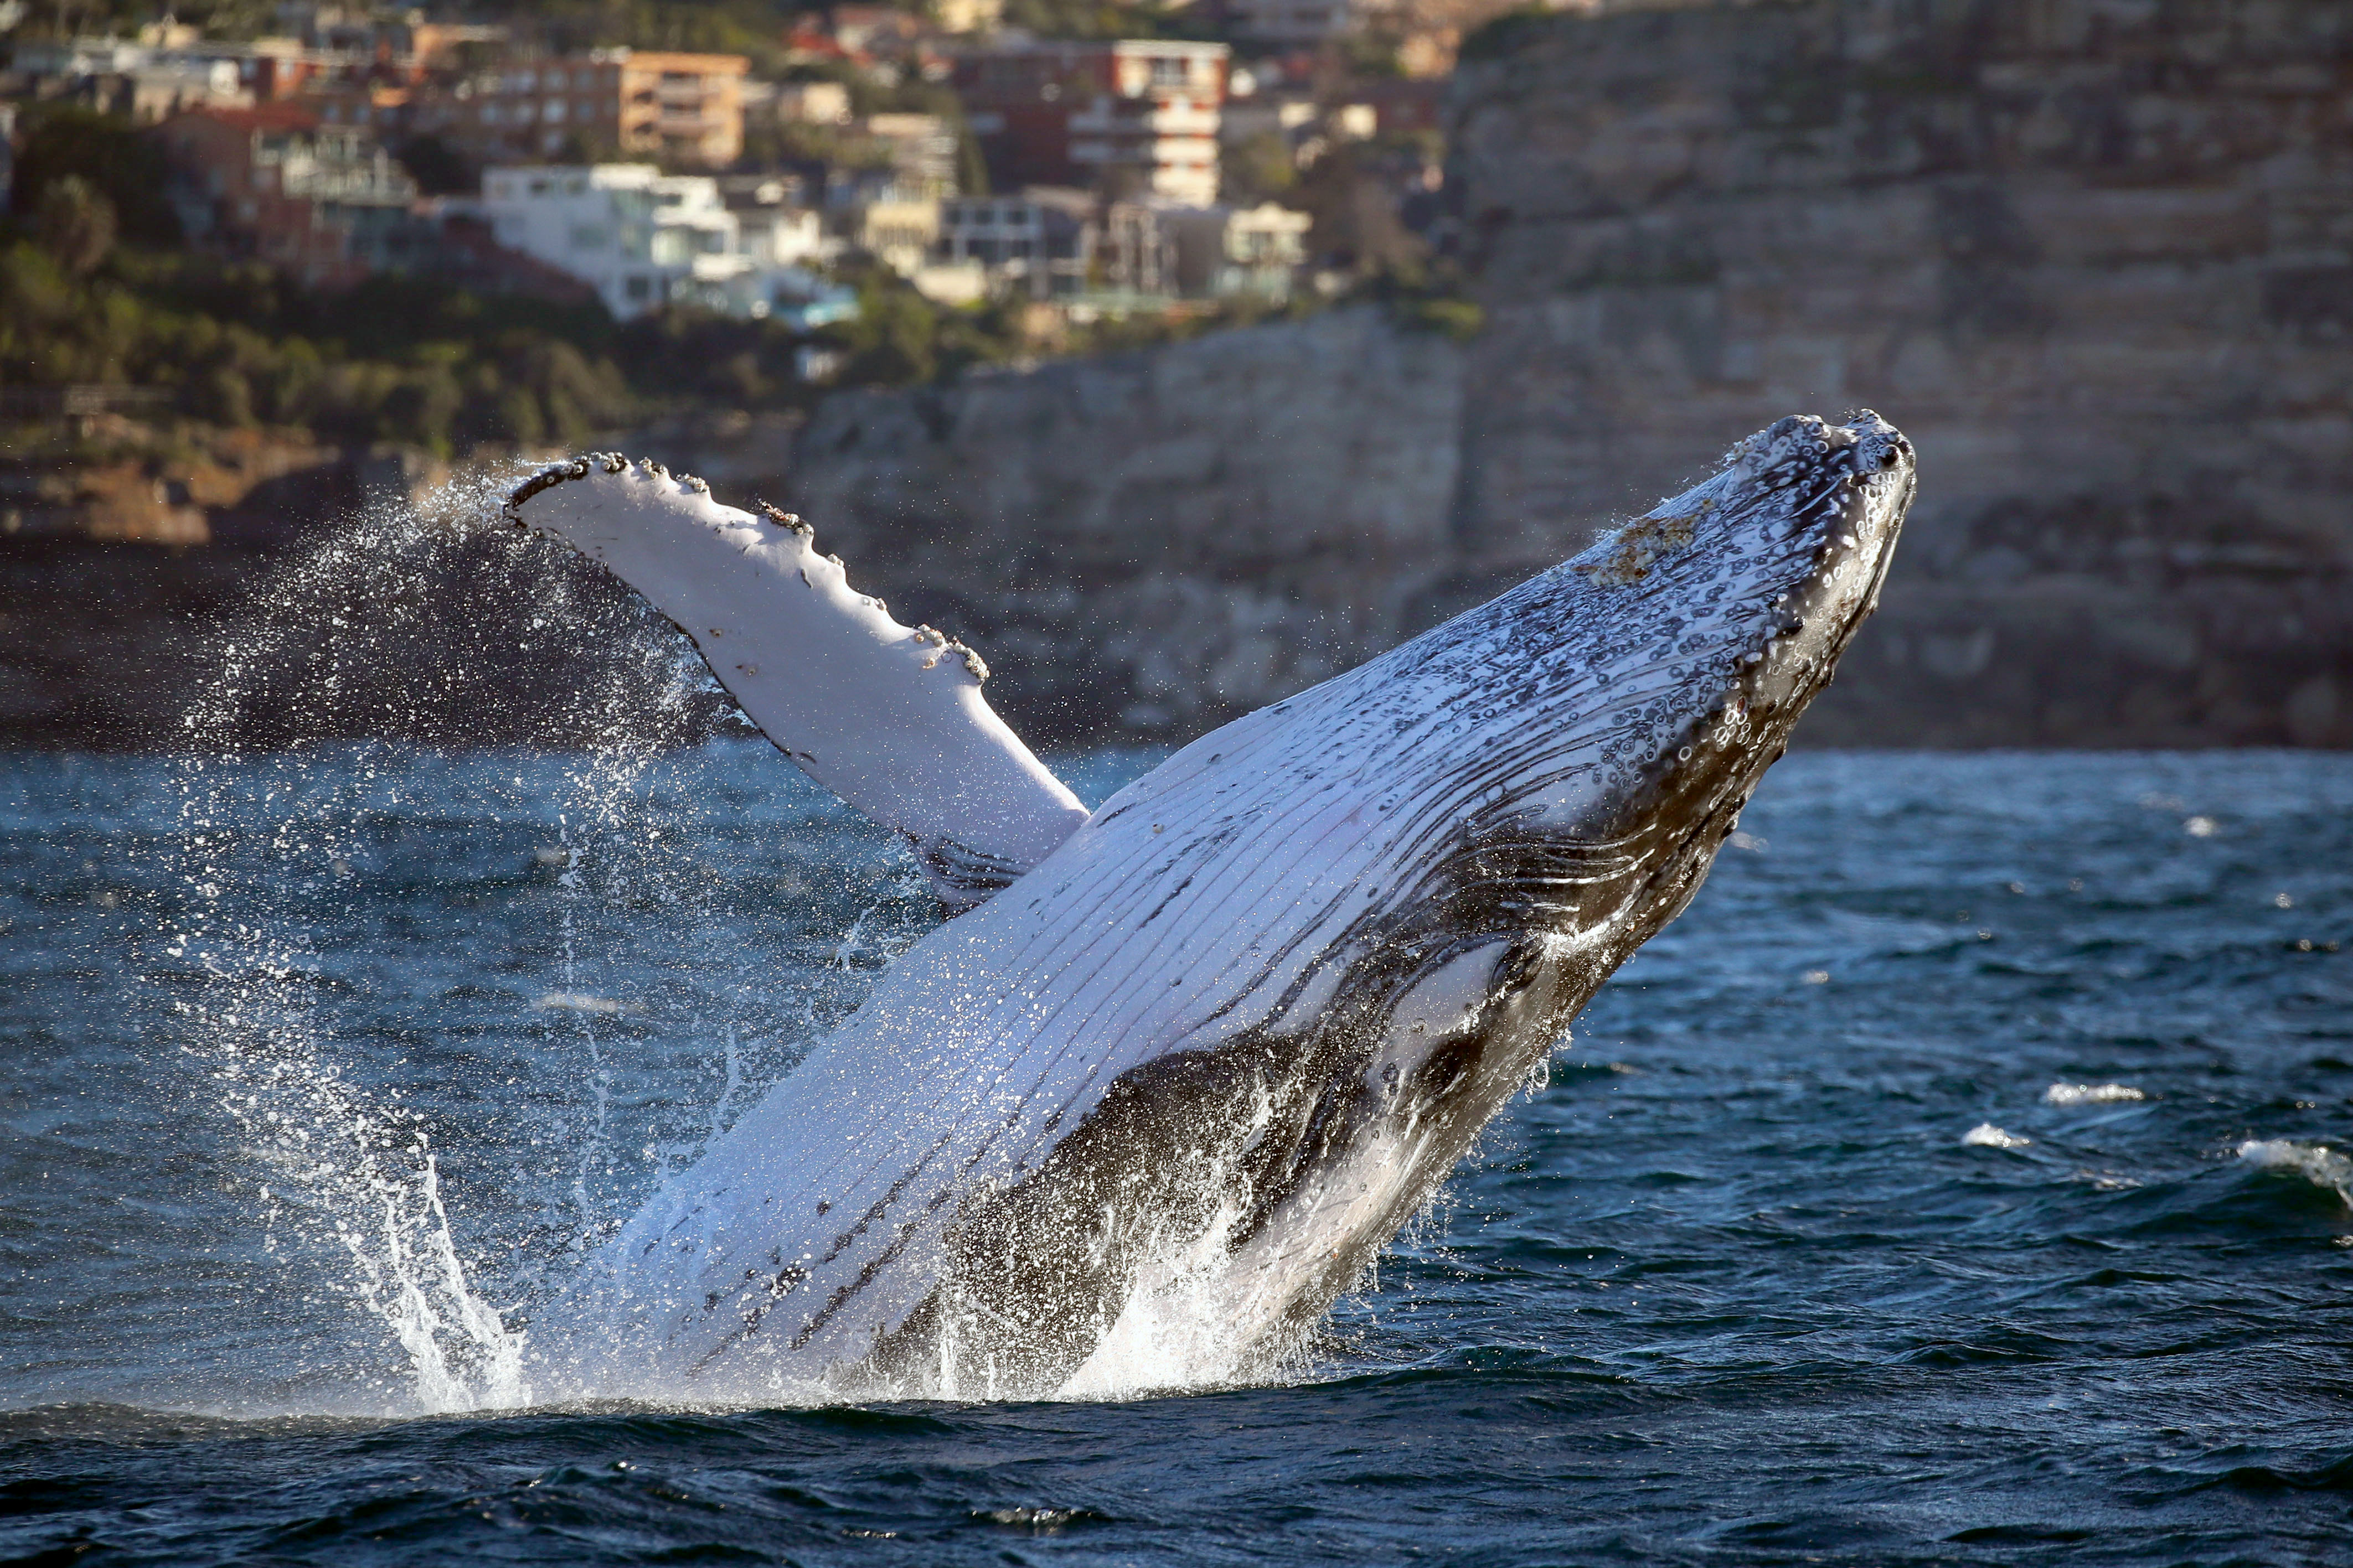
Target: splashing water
x=443, y=626
x=364, y=1174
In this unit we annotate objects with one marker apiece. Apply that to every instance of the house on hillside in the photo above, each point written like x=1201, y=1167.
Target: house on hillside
x=1238, y=252
x=325, y=204
x=1039, y=243
x=149, y=82
x=644, y=239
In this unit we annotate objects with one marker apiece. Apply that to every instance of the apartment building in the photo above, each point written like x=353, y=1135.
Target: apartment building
x=1131, y=117
x=1039, y=243
x=643, y=239
x=685, y=107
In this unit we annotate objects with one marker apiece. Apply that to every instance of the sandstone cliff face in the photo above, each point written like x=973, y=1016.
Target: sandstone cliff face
x=1156, y=538
x=2096, y=256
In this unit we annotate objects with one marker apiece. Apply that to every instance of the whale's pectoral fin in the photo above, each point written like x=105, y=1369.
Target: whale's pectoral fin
x=890, y=718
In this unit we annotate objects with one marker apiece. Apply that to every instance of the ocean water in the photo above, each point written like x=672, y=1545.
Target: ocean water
x=1964, y=1178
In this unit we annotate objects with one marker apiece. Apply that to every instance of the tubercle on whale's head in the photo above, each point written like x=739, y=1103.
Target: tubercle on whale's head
x=1778, y=555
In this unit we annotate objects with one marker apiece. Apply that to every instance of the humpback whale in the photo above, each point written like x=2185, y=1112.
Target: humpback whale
x=1193, y=1058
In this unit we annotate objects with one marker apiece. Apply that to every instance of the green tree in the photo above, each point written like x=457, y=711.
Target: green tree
x=69, y=142
x=1257, y=169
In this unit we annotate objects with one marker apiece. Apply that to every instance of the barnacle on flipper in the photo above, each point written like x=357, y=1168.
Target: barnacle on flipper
x=545, y=479
x=783, y=518
x=946, y=645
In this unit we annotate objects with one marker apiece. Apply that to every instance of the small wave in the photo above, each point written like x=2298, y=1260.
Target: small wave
x=581, y=1001
x=2322, y=1167
x=1986, y=1135
x=2090, y=1093
x=1040, y=1520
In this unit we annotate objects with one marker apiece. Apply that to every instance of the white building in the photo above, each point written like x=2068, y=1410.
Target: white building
x=1225, y=252
x=643, y=239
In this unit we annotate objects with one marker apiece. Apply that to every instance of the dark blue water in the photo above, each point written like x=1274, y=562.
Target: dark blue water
x=1796, y=1257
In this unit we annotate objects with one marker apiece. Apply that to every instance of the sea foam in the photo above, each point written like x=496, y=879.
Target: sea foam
x=2090, y=1093
x=2321, y=1167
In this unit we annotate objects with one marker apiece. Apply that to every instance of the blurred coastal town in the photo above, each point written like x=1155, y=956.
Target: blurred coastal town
x=529, y=224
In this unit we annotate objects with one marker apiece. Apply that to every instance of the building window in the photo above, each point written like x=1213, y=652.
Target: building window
x=1171, y=71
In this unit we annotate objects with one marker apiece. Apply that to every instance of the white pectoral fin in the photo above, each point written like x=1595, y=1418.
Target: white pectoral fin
x=890, y=718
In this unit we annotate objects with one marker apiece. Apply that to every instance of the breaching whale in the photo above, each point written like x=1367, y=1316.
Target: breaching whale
x=1186, y=1063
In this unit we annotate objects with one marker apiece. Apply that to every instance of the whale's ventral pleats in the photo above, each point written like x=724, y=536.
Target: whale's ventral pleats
x=1137, y=1120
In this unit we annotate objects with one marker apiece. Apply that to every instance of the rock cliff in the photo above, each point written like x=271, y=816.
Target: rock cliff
x=2096, y=255
x=1158, y=538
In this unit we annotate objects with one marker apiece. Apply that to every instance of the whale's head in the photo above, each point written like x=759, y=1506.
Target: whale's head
x=1734, y=599
x=1592, y=735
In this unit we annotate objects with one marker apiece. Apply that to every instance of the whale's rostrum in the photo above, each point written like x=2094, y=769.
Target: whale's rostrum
x=1140, y=1116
